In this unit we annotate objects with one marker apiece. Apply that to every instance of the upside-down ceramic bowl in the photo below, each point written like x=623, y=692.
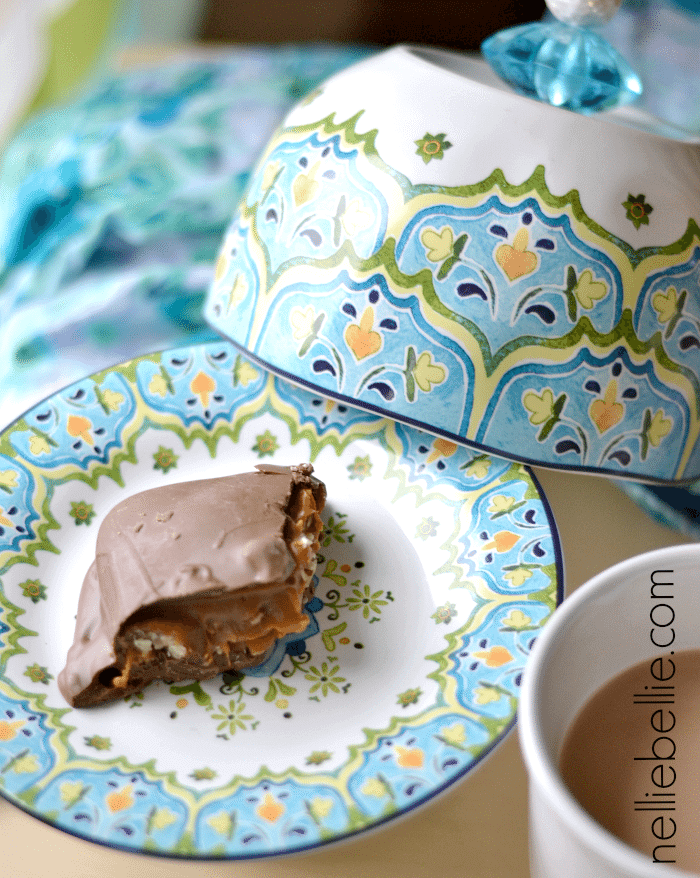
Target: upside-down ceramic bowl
x=422, y=242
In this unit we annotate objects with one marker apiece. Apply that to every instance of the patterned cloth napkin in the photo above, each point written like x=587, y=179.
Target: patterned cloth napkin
x=112, y=209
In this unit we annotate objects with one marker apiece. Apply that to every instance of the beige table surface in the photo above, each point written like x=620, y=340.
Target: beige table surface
x=478, y=829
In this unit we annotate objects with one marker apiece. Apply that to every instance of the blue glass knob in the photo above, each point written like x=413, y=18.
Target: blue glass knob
x=563, y=65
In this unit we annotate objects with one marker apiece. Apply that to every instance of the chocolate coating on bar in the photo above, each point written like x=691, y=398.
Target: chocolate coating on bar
x=193, y=579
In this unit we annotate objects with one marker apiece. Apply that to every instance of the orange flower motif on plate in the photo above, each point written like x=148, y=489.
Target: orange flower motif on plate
x=503, y=541
x=607, y=412
x=9, y=730
x=494, y=657
x=79, y=427
x=441, y=448
x=362, y=340
x=409, y=757
x=203, y=385
x=515, y=259
x=120, y=800
x=270, y=809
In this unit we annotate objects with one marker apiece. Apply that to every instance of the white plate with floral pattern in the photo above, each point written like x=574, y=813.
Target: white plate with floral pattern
x=439, y=566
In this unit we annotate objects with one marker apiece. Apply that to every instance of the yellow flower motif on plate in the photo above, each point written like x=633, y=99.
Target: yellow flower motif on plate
x=26, y=764
x=665, y=305
x=454, y=734
x=270, y=174
x=517, y=619
x=375, y=788
x=428, y=373
x=222, y=823
x=8, y=479
x=589, y=291
x=501, y=503
x=540, y=407
x=112, y=399
x=71, y=791
x=518, y=576
x=237, y=293
x=438, y=245
x=39, y=445
x=162, y=818
x=320, y=807
x=356, y=218
x=486, y=694
x=4, y=520
x=158, y=385
x=245, y=373
x=659, y=427
x=302, y=320
x=305, y=186
x=221, y=267
x=479, y=468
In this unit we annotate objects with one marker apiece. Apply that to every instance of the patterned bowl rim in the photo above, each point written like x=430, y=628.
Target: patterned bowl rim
x=380, y=411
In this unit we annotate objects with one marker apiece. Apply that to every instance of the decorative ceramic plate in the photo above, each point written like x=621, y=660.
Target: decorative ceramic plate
x=439, y=566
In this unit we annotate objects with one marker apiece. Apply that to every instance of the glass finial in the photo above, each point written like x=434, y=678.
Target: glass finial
x=562, y=62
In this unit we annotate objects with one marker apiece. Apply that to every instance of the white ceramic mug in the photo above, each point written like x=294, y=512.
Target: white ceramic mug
x=603, y=628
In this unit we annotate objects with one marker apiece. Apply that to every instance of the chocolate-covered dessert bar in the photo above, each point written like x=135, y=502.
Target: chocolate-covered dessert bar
x=193, y=579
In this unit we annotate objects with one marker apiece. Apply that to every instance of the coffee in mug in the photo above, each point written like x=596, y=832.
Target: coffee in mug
x=632, y=758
